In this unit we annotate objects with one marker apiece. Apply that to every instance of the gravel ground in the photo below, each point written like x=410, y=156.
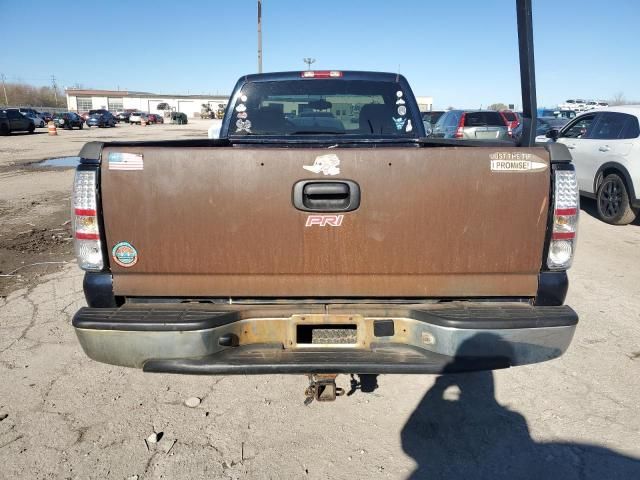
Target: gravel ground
x=34, y=201
x=65, y=416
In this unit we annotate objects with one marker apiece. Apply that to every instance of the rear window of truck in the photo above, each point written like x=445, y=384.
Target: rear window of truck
x=318, y=106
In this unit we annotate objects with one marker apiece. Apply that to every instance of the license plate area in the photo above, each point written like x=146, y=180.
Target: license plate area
x=327, y=331
x=327, y=334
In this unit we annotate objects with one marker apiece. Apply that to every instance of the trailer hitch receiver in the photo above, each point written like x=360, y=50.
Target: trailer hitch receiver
x=322, y=387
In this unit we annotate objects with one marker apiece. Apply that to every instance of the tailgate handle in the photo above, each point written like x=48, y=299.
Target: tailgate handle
x=326, y=196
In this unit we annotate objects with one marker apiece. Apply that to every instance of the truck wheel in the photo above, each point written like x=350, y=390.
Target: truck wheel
x=4, y=129
x=614, y=206
x=81, y=126
x=32, y=128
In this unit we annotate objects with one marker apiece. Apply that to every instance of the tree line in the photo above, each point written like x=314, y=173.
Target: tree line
x=21, y=94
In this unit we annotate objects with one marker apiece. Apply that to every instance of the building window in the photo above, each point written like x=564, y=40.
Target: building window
x=84, y=104
x=115, y=104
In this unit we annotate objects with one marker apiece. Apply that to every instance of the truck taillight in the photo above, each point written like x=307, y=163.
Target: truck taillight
x=460, y=130
x=86, y=229
x=565, y=220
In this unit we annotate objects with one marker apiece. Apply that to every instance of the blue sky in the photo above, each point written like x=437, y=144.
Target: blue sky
x=463, y=53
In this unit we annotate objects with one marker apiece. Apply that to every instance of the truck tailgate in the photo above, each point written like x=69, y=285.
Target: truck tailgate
x=220, y=222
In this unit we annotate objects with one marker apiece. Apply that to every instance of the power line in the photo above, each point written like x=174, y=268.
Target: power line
x=4, y=88
x=55, y=88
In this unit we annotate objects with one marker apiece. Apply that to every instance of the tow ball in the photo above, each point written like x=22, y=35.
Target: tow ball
x=322, y=387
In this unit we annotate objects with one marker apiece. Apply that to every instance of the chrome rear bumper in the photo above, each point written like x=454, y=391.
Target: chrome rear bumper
x=430, y=338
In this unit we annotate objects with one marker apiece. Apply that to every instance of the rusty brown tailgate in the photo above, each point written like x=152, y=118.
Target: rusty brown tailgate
x=220, y=222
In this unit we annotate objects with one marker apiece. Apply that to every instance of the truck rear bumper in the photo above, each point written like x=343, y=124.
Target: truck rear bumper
x=429, y=338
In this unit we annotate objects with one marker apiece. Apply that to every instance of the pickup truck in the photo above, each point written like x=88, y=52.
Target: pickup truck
x=323, y=234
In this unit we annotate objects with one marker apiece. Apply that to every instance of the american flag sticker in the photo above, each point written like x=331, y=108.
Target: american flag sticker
x=125, y=161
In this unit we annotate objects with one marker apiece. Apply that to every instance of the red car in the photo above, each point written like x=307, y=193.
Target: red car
x=155, y=118
x=512, y=119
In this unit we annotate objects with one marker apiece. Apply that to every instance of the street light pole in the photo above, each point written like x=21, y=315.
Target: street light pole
x=259, y=36
x=309, y=61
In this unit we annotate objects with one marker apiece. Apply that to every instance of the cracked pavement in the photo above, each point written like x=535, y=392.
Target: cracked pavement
x=576, y=417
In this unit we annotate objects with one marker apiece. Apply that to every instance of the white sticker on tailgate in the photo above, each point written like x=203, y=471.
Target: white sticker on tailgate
x=125, y=161
x=327, y=164
x=516, y=162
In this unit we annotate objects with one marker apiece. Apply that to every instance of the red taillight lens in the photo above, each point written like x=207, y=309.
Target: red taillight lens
x=321, y=74
x=565, y=220
x=86, y=229
x=460, y=130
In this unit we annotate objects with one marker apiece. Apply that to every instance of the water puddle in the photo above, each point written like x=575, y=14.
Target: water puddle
x=61, y=162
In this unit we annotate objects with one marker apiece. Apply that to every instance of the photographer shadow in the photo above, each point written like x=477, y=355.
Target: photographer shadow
x=459, y=430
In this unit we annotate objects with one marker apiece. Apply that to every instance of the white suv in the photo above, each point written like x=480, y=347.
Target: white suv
x=605, y=147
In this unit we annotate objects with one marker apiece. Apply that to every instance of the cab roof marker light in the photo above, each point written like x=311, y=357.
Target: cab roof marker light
x=321, y=74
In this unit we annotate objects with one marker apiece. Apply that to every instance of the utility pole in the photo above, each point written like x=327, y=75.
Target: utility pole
x=55, y=88
x=259, y=36
x=309, y=61
x=4, y=88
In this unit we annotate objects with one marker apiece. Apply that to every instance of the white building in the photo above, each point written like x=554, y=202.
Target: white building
x=425, y=103
x=113, y=100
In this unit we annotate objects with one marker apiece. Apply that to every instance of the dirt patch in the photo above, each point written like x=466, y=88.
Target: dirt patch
x=32, y=242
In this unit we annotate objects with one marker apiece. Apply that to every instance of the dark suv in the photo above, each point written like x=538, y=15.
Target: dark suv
x=11, y=120
x=101, y=118
x=68, y=120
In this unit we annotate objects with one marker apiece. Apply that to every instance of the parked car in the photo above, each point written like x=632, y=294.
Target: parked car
x=512, y=119
x=37, y=120
x=11, y=120
x=472, y=125
x=590, y=105
x=155, y=118
x=179, y=118
x=30, y=111
x=101, y=118
x=569, y=104
x=548, y=112
x=137, y=117
x=68, y=120
x=546, y=124
x=429, y=119
x=602, y=104
x=577, y=105
x=46, y=116
x=122, y=116
x=605, y=147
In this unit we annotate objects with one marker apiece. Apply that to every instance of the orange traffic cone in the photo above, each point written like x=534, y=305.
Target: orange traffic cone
x=52, y=128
